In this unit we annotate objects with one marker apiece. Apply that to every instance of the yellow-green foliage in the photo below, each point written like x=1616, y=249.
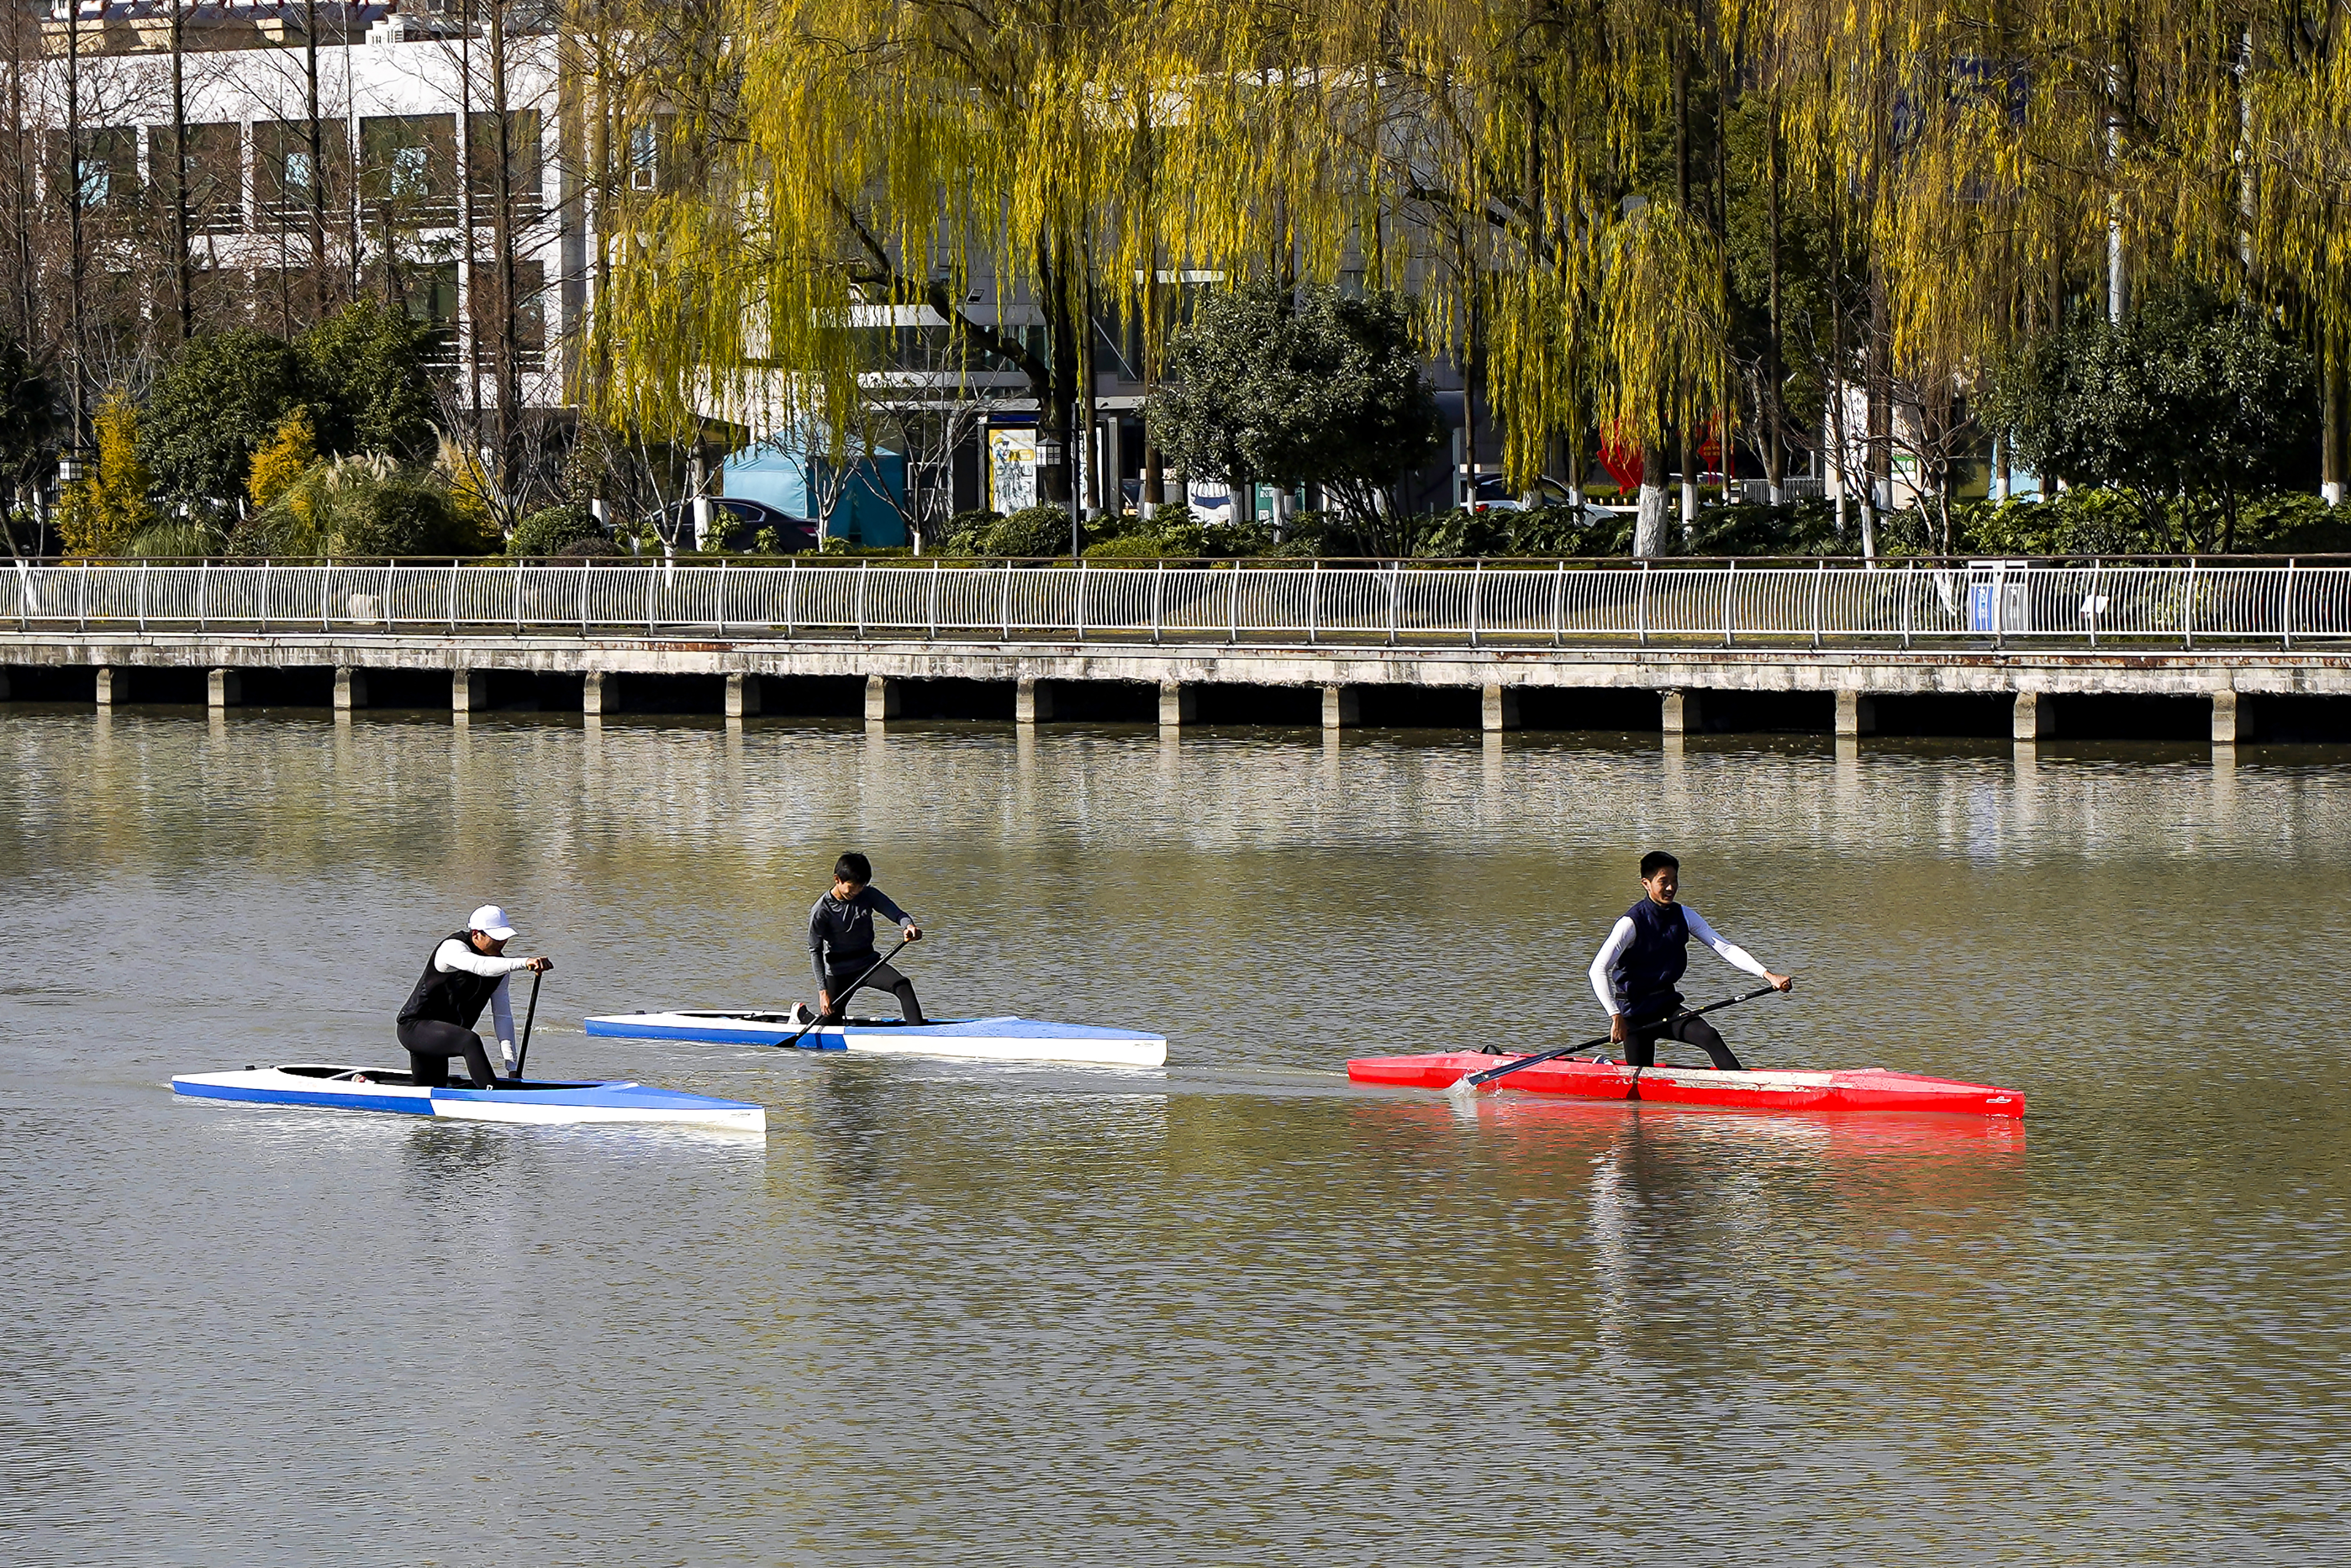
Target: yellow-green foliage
x=100, y=516
x=292, y=449
x=1509, y=162
x=469, y=488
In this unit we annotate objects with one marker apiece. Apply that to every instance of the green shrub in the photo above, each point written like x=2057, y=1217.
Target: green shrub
x=967, y=532
x=550, y=529
x=1144, y=546
x=2294, y=522
x=1031, y=532
x=181, y=539
x=1753, y=529
x=402, y=514
x=216, y=402
x=364, y=368
x=360, y=506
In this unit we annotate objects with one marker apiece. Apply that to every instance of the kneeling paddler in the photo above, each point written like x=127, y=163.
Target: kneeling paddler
x=841, y=942
x=467, y=969
x=1643, y=959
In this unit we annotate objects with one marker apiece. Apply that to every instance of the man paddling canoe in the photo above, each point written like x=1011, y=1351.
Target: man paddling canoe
x=467, y=968
x=1635, y=972
x=841, y=941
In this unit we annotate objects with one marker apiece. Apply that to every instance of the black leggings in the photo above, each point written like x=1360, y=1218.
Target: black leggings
x=1641, y=1050
x=430, y=1043
x=884, y=978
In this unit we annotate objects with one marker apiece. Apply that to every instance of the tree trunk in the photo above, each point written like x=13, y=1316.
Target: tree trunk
x=1689, y=454
x=1057, y=395
x=314, y=130
x=1155, y=491
x=509, y=281
x=469, y=268
x=2331, y=438
x=21, y=194
x=79, y=398
x=1774, y=414
x=1881, y=411
x=1649, y=523
x=182, y=264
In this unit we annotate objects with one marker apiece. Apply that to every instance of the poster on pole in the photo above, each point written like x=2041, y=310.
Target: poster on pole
x=1012, y=469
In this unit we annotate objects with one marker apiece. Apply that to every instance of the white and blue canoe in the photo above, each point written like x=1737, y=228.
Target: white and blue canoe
x=543, y=1102
x=980, y=1039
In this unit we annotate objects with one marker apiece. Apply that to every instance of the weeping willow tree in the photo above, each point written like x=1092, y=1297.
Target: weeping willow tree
x=1494, y=160
x=1600, y=207
x=978, y=171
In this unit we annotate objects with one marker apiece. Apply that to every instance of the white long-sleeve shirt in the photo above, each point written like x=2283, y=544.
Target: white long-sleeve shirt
x=1621, y=937
x=456, y=955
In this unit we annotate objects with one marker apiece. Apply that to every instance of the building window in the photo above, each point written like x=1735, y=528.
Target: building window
x=104, y=170
x=529, y=316
x=215, y=155
x=525, y=172
x=430, y=294
x=408, y=169
x=287, y=176
x=644, y=158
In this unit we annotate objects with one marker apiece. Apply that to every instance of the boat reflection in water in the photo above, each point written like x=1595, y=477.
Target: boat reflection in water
x=1686, y=1237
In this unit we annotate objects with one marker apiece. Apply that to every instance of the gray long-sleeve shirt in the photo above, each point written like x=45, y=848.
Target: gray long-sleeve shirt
x=840, y=936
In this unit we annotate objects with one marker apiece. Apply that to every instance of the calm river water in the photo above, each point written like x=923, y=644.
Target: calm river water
x=1233, y=1312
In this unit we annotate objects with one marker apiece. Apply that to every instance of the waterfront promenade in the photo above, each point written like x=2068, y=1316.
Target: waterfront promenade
x=1833, y=646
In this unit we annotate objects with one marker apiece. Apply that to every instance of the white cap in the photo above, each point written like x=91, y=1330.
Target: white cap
x=490, y=920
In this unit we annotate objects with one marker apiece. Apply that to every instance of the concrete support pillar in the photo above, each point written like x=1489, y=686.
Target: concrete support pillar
x=1032, y=701
x=1857, y=714
x=1499, y=707
x=600, y=693
x=2036, y=717
x=880, y=698
x=1680, y=714
x=106, y=688
x=224, y=688
x=1341, y=708
x=2232, y=719
x=350, y=688
x=1178, y=704
x=742, y=696
x=469, y=691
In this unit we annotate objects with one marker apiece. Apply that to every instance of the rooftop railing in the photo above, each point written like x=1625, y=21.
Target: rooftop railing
x=1902, y=604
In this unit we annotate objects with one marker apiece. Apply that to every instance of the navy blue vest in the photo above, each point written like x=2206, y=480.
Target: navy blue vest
x=1643, y=974
x=455, y=998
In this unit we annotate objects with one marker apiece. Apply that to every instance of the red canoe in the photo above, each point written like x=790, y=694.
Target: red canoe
x=1852, y=1089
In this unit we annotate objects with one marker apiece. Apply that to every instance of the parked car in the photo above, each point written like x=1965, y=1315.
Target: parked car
x=1495, y=494
x=742, y=519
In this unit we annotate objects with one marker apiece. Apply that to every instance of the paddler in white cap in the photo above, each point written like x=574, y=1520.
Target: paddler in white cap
x=468, y=968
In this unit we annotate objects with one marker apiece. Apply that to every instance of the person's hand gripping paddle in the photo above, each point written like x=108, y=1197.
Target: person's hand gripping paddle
x=1466, y=1087
x=849, y=991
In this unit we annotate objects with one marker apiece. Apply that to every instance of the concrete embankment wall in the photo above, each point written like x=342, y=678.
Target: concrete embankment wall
x=2228, y=694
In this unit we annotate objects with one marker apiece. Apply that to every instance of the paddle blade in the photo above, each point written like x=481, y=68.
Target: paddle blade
x=1464, y=1091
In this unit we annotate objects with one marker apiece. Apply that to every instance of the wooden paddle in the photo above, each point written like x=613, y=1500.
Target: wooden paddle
x=788, y=1044
x=1470, y=1082
x=523, y=1050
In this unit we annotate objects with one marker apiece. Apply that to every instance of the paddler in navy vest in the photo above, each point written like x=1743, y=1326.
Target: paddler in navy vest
x=1643, y=959
x=841, y=941
x=467, y=968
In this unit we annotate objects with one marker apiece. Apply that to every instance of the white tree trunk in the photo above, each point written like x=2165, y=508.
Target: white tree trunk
x=1649, y=524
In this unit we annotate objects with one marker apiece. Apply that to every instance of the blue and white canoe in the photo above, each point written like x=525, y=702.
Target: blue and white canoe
x=389, y=1088
x=981, y=1040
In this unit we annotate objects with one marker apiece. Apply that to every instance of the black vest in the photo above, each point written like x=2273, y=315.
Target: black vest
x=1646, y=971
x=456, y=998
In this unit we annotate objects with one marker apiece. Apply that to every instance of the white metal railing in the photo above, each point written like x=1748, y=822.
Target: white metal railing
x=1991, y=604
